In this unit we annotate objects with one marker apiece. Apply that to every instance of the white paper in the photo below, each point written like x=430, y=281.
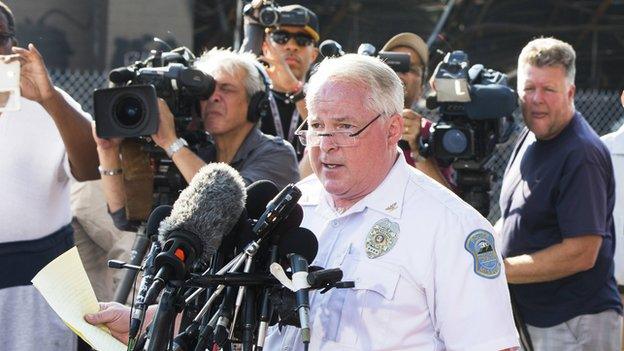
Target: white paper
x=65, y=286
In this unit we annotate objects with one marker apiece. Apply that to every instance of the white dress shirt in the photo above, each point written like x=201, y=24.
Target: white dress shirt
x=615, y=143
x=421, y=294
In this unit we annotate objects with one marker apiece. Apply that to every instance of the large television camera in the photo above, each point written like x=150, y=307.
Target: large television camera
x=476, y=108
x=130, y=107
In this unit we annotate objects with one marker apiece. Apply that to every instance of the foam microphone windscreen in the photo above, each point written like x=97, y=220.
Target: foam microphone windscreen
x=259, y=194
x=209, y=207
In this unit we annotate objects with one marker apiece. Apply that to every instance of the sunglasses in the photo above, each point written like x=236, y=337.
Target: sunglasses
x=282, y=37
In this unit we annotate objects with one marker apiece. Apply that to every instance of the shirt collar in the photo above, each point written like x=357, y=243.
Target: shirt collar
x=249, y=144
x=386, y=199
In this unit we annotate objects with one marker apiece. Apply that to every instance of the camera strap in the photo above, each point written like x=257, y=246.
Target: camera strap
x=277, y=121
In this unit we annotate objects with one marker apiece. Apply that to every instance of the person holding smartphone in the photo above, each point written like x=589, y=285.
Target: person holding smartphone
x=42, y=147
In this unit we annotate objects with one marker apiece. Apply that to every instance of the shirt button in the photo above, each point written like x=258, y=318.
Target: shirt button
x=335, y=223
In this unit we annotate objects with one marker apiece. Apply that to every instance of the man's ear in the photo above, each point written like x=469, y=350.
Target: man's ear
x=315, y=54
x=395, y=128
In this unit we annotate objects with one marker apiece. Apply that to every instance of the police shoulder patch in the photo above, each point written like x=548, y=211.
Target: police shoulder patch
x=480, y=244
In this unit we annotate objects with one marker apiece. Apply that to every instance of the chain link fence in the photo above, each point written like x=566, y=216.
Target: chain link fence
x=601, y=108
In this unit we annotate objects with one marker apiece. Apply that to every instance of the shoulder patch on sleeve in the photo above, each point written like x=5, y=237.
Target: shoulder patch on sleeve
x=480, y=244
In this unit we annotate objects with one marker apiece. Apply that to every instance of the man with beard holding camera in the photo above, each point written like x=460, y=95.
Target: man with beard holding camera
x=413, y=84
x=556, y=203
x=43, y=145
x=289, y=52
x=229, y=117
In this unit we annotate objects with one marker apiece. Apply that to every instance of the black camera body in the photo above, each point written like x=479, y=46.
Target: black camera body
x=476, y=107
x=398, y=61
x=130, y=108
x=269, y=14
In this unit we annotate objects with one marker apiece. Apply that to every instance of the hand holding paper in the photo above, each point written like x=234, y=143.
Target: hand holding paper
x=65, y=286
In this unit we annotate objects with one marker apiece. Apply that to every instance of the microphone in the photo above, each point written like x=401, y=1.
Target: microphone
x=206, y=210
x=302, y=251
x=277, y=210
x=331, y=48
x=259, y=194
x=138, y=314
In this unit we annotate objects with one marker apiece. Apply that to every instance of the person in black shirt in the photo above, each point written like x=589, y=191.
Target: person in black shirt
x=556, y=202
x=289, y=52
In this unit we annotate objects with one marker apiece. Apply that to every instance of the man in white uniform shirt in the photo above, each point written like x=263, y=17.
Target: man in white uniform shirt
x=426, y=268
x=425, y=265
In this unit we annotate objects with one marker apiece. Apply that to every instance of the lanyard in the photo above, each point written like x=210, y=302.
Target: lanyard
x=294, y=120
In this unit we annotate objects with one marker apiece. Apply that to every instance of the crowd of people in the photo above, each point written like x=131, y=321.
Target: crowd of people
x=430, y=272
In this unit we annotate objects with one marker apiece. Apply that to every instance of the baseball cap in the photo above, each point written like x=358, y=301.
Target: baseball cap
x=312, y=27
x=411, y=41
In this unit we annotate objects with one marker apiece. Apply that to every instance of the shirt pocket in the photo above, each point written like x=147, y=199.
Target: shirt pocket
x=368, y=307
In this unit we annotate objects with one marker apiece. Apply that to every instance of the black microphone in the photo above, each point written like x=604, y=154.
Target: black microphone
x=301, y=246
x=121, y=75
x=306, y=248
x=153, y=222
x=277, y=210
x=206, y=210
x=225, y=314
x=331, y=48
x=259, y=194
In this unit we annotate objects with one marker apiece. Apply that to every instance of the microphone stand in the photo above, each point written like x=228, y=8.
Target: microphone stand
x=139, y=248
x=160, y=332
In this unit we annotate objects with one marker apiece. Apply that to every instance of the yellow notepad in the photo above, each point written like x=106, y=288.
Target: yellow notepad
x=65, y=286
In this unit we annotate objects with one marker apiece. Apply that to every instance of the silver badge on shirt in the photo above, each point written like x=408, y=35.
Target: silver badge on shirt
x=381, y=238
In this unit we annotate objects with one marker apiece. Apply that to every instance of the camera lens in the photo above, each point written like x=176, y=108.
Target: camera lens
x=454, y=141
x=129, y=111
x=268, y=16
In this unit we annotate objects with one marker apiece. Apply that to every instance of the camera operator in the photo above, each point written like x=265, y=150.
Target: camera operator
x=289, y=52
x=42, y=146
x=413, y=84
x=556, y=202
x=229, y=117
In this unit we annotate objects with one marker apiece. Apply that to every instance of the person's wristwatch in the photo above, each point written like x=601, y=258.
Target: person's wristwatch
x=178, y=144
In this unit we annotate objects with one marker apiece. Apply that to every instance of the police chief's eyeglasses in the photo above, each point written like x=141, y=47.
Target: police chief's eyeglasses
x=340, y=138
x=282, y=37
x=5, y=37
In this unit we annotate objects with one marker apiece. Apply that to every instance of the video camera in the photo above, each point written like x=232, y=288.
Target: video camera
x=130, y=108
x=398, y=61
x=261, y=14
x=268, y=14
x=476, y=107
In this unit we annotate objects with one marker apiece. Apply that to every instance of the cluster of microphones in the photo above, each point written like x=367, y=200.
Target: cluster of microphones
x=225, y=263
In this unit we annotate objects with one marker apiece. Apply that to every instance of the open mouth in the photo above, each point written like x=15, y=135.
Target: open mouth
x=330, y=165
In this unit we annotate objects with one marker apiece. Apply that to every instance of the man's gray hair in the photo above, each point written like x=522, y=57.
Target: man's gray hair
x=549, y=52
x=385, y=90
x=226, y=61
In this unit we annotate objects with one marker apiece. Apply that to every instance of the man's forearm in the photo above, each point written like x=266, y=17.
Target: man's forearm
x=75, y=131
x=188, y=163
x=554, y=262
